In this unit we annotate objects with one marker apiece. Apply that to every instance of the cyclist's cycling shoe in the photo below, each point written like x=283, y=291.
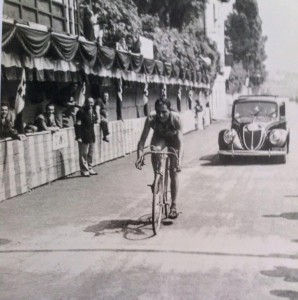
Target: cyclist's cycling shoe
x=173, y=214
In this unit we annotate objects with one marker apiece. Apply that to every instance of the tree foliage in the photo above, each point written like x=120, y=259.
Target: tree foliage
x=173, y=25
x=172, y=13
x=244, y=30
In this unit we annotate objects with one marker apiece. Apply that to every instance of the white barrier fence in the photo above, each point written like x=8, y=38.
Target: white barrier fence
x=44, y=157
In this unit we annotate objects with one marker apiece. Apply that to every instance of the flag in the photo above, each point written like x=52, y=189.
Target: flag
x=206, y=60
x=82, y=95
x=119, y=99
x=164, y=91
x=145, y=94
x=247, y=81
x=190, y=99
x=21, y=92
x=179, y=95
x=119, y=89
x=145, y=99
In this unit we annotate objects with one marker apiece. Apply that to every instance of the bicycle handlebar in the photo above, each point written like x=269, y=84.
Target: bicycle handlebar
x=162, y=152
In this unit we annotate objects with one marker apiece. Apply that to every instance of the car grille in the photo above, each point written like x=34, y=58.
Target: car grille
x=252, y=138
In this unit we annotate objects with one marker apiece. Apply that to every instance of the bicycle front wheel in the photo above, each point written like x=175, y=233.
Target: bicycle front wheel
x=157, y=203
x=166, y=197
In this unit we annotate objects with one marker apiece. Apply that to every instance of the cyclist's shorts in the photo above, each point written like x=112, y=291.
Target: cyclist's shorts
x=170, y=141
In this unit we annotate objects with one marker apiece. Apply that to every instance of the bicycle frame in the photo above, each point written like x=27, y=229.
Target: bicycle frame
x=164, y=154
x=160, y=201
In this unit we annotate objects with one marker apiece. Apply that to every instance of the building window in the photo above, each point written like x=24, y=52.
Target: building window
x=59, y=15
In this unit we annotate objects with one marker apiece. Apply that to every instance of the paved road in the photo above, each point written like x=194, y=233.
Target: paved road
x=89, y=238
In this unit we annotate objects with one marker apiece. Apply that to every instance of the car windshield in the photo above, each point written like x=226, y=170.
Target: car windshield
x=255, y=111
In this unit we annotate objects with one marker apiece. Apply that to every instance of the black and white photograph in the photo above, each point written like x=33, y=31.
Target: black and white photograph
x=148, y=150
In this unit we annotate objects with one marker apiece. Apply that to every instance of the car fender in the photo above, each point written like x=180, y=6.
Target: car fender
x=221, y=143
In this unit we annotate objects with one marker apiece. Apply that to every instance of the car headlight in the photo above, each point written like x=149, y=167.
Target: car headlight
x=278, y=137
x=229, y=136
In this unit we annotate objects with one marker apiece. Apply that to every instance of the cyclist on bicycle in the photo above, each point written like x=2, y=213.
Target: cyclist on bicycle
x=167, y=127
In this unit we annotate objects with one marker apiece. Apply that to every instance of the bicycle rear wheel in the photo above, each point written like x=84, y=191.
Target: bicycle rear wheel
x=166, y=197
x=157, y=203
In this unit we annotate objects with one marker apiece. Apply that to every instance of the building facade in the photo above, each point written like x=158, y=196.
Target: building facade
x=215, y=15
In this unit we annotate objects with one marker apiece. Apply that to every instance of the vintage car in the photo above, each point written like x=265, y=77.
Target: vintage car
x=259, y=128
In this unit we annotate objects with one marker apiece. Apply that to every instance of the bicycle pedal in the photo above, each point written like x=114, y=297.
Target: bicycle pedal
x=151, y=187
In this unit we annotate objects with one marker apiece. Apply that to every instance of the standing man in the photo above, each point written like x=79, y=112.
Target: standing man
x=85, y=135
x=103, y=105
x=198, y=116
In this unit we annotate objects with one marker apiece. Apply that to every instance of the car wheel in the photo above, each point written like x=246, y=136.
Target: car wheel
x=283, y=159
x=221, y=144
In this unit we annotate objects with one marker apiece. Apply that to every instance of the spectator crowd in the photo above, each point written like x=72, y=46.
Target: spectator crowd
x=54, y=117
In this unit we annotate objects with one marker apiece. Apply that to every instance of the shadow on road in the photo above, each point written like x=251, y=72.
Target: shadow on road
x=213, y=160
x=289, y=216
x=291, y=295
x=71, y=176
x=4, y=241
x=139, y=229
x=288, y=275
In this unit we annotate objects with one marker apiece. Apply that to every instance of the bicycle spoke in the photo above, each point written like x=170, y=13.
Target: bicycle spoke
x=157, y=203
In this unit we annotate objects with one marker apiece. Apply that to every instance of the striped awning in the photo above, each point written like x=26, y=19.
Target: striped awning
x=39, y=68
x=49, y=56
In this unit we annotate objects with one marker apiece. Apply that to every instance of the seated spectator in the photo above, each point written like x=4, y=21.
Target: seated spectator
x=30, y=128
x=47, y=121
x=69, y=116
x=132, y=45
x=66, y=100
x=121, y=45
x=7, y=120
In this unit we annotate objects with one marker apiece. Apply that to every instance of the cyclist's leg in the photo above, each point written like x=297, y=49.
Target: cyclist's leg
x=157, y=142
x=174, y=175
x=174, y=181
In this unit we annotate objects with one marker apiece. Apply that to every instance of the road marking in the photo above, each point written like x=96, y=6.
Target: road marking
x=273, y=255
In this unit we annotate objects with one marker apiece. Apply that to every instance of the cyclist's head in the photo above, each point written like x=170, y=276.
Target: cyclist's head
x=163, y=101
x=163, y=109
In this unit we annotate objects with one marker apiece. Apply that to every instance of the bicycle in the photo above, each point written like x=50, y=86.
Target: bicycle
x=161, y=203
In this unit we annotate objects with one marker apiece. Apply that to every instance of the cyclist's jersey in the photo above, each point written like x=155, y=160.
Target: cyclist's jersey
x=167, y=129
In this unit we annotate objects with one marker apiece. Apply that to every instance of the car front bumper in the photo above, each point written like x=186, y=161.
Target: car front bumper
x=266, y=153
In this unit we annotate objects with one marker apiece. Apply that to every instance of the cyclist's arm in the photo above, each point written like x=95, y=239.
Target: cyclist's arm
x=180, y=138
x=143, y=138
x=180, y=145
